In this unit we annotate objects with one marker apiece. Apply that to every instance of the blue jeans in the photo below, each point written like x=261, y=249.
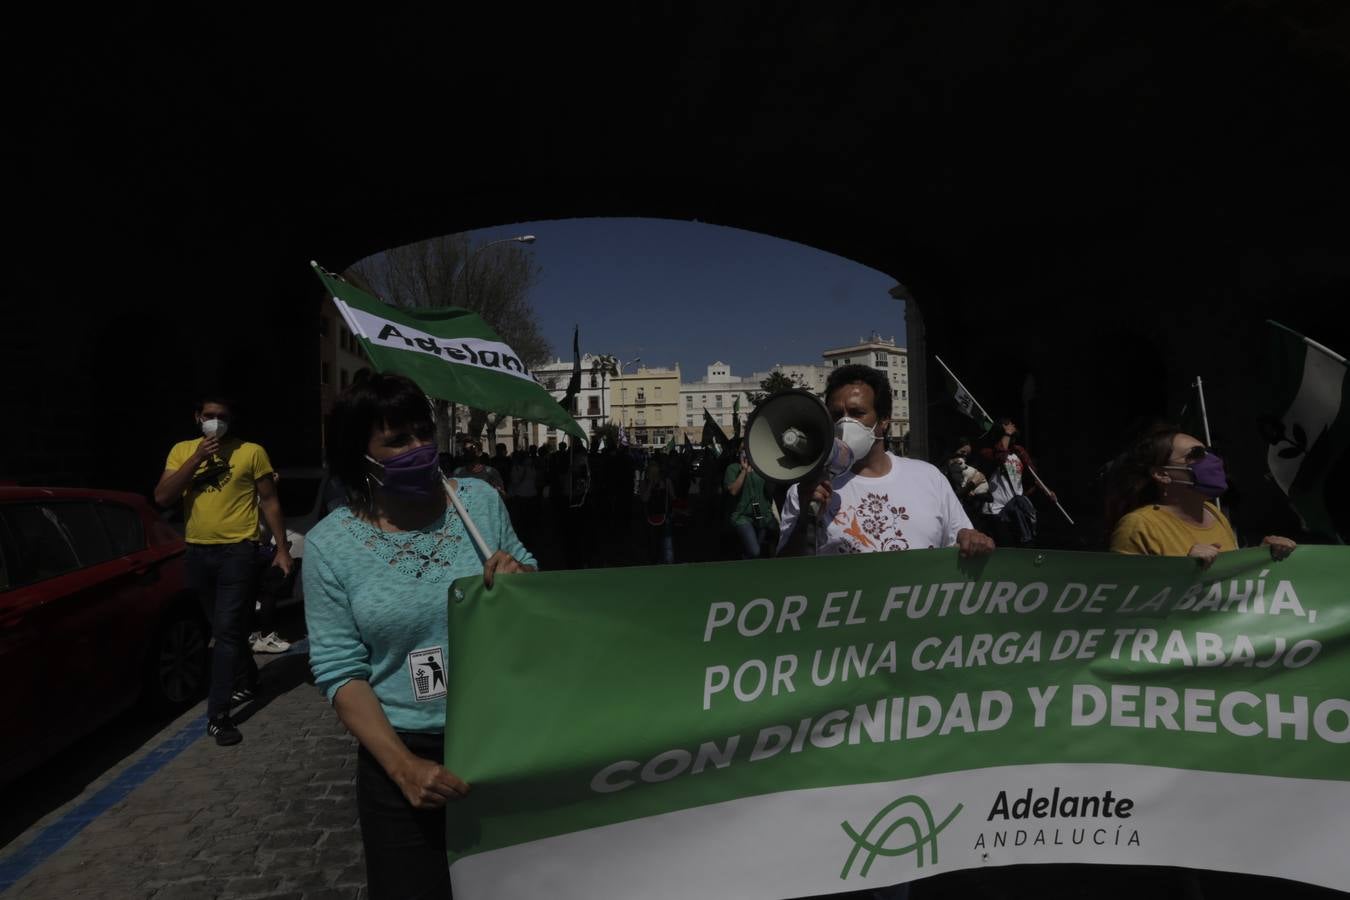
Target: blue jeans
x=223, y=577
x=405, y=847
x=661, y=543
x=751, y=535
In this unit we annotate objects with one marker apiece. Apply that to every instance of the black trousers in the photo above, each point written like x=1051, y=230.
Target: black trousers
x=223, y=577
x=405, y=847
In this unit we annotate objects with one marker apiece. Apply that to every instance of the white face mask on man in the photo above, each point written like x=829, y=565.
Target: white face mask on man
x=215, y=428
x=858, y=437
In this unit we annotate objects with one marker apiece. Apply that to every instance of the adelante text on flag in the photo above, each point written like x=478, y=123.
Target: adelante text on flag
x=450, y=353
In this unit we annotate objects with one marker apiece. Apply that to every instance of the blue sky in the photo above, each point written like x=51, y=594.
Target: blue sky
x=673, y=291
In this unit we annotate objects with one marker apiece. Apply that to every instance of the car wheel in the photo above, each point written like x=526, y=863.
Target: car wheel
x=178, y=664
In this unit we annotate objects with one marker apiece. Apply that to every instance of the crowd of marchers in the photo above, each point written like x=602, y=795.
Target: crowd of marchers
x=408, y=520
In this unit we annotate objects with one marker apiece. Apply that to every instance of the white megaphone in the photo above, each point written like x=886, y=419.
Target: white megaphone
x=790, y=437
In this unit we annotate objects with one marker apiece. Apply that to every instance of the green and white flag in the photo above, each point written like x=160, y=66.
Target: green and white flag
x=450, y=353
x=793, y=727
x=1308, y=427
x=964, y=400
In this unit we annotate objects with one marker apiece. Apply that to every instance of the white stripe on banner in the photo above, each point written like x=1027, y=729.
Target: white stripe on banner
x=1313, y=410
x=487, y=356
x=831, y=840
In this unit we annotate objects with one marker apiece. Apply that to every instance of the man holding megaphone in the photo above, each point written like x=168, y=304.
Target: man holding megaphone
x=867, y=500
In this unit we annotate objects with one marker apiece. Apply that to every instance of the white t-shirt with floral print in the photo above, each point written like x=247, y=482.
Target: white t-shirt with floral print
x=912, y=507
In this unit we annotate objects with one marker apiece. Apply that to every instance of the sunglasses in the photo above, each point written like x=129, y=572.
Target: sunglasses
x=1196, y=453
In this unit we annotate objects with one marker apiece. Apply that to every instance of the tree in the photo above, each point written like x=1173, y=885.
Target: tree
x=492, y=280
x=776, y=383
x=606, y=367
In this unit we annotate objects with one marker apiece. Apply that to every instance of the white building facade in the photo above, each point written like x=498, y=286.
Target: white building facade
x=717, y=391
x=591, y=402
x=802, y=375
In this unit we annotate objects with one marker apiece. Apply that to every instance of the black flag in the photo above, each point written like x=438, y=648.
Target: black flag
x=712, y=432
x=574, y=384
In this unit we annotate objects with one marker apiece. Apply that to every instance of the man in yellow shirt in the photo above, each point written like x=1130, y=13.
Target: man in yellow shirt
x=223, y=482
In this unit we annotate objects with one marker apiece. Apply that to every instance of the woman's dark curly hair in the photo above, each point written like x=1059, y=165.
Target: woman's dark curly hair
x=1130, y=483
x=371, y=401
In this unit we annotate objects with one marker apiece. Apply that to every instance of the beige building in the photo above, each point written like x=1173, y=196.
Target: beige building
x=646, y=404
x=882, y=354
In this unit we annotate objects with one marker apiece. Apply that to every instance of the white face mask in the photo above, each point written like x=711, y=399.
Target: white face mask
x=856, y=436
x=215, y=427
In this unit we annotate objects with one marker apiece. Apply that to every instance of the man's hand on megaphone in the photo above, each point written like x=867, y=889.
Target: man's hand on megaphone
x=820, y=497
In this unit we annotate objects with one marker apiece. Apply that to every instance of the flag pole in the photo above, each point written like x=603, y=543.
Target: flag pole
x=1204, y=423
x=1204, y=416
x=1047, y=491
x=990, y=418
x=458, y=504
x=1310, y=342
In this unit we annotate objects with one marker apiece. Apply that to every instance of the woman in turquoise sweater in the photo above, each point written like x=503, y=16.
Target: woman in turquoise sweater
x=377, y=575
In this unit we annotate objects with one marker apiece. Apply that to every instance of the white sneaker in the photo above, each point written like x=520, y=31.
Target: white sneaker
x=269, y=643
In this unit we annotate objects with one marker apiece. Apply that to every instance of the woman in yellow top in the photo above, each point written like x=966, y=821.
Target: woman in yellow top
x=1161, y=501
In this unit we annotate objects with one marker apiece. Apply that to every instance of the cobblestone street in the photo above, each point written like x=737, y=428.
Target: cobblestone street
x=274, y=816
x=146, y=808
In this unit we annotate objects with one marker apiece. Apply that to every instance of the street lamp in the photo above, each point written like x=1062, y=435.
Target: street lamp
x=468, y=260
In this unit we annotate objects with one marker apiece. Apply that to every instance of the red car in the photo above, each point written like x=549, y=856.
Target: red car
x=94, y=615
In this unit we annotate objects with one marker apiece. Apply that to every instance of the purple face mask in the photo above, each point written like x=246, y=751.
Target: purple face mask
x=1210, y=478
x=1207, y=475
x=412, y=473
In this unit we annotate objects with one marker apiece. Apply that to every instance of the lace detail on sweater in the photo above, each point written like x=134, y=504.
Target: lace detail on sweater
x=430, y=554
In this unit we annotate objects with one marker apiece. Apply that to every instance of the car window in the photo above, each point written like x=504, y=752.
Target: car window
x=86, y=532
x=42, y=548
x=124, y=528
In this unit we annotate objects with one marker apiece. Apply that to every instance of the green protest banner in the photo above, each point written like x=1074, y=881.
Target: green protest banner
x=790, y=727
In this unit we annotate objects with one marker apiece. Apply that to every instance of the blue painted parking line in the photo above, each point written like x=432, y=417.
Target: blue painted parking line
x=62, y=831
